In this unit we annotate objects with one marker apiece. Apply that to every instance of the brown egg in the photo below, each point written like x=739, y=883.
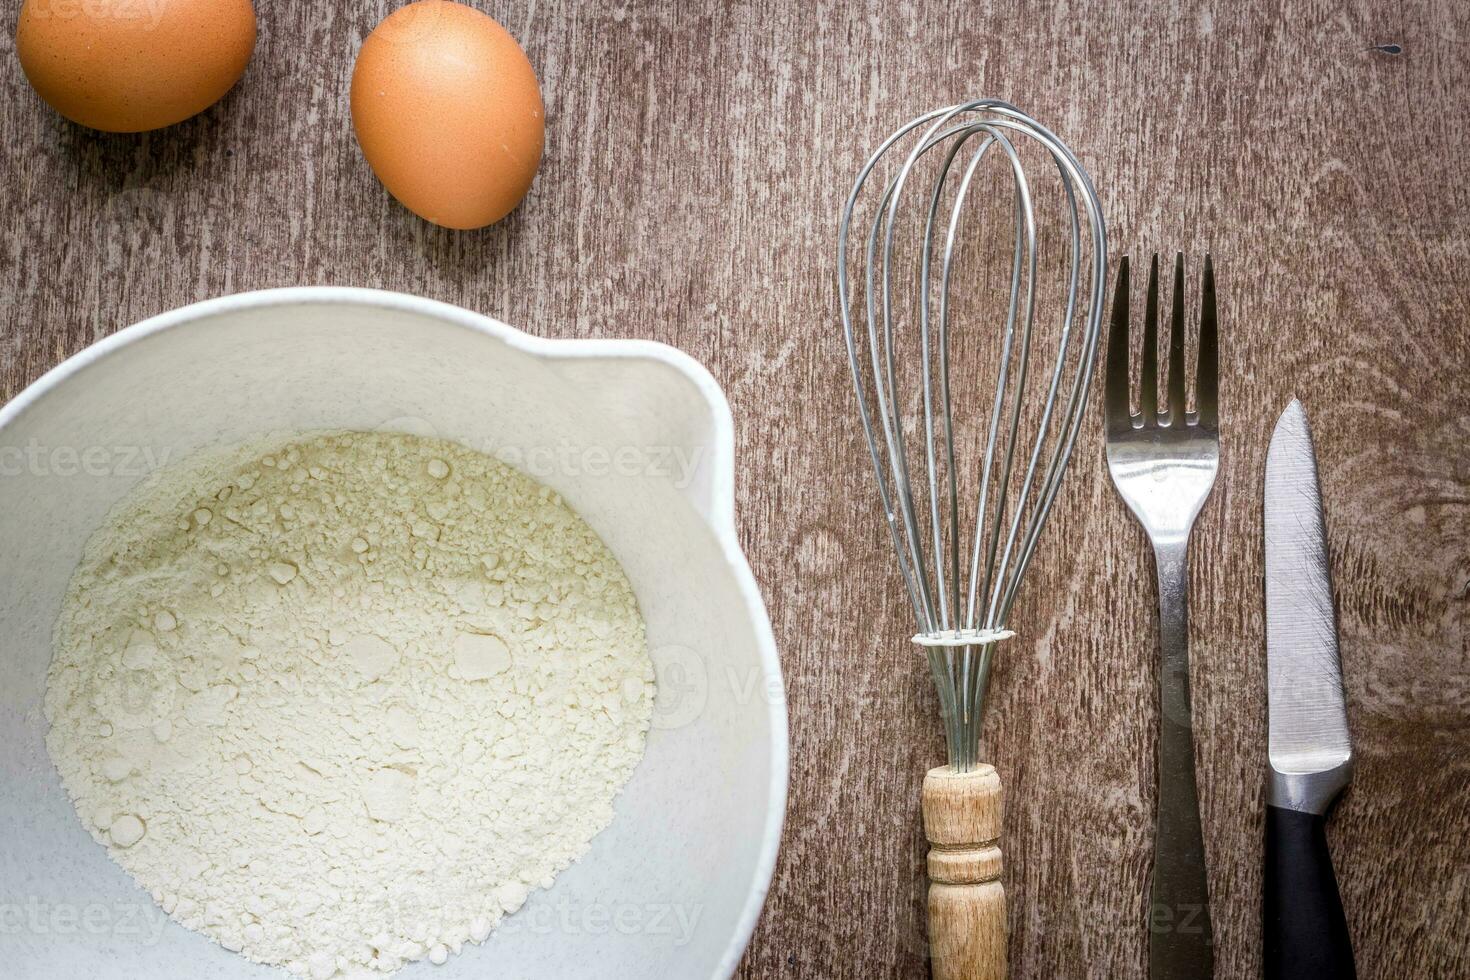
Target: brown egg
x=129, y=65
x=448, y=113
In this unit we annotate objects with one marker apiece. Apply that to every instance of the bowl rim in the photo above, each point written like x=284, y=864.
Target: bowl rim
x=720, y=516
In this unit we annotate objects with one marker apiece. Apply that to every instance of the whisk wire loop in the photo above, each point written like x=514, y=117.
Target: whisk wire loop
x=963, y=571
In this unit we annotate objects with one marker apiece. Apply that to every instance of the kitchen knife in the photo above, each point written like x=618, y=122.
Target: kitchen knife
x=1310, y=754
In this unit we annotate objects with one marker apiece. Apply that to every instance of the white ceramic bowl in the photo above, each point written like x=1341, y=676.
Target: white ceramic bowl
x=635, y=435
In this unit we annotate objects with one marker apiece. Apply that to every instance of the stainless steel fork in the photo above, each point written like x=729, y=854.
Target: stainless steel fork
x=1163, y=460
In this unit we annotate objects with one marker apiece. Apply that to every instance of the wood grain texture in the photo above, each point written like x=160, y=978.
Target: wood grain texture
x=697, y=155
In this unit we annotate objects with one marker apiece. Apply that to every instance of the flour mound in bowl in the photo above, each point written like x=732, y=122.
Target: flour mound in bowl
x=340, y=702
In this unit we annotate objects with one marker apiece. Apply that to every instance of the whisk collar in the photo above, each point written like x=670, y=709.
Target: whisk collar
x=962, y=638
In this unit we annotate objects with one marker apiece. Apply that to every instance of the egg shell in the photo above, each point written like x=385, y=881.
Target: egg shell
x=448, y=112
x=126, y=66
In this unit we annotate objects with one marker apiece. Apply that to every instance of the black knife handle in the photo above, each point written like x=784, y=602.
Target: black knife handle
x=1306, y=931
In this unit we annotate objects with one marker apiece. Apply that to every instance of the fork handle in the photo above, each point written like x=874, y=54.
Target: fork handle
x=1181, y=939
x=967, y=904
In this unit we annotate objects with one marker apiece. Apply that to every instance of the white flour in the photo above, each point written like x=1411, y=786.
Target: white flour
x=339, y=703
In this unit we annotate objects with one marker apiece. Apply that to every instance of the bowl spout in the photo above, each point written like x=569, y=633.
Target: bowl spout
x=672, y=422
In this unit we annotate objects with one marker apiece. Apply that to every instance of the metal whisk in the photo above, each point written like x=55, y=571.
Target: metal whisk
x=962, y=585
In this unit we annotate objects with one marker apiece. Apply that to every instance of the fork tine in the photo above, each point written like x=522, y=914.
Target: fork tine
x=1148, y=397
x=1115, y=390
x=1175, y=390
x=1207, y=383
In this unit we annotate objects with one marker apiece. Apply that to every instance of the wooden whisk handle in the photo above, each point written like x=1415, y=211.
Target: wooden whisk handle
x=967, y=904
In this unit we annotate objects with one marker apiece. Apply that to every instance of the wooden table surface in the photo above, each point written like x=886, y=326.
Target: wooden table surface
x=697, y=156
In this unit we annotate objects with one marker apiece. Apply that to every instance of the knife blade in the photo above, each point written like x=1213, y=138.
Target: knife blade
x=1309, y=748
